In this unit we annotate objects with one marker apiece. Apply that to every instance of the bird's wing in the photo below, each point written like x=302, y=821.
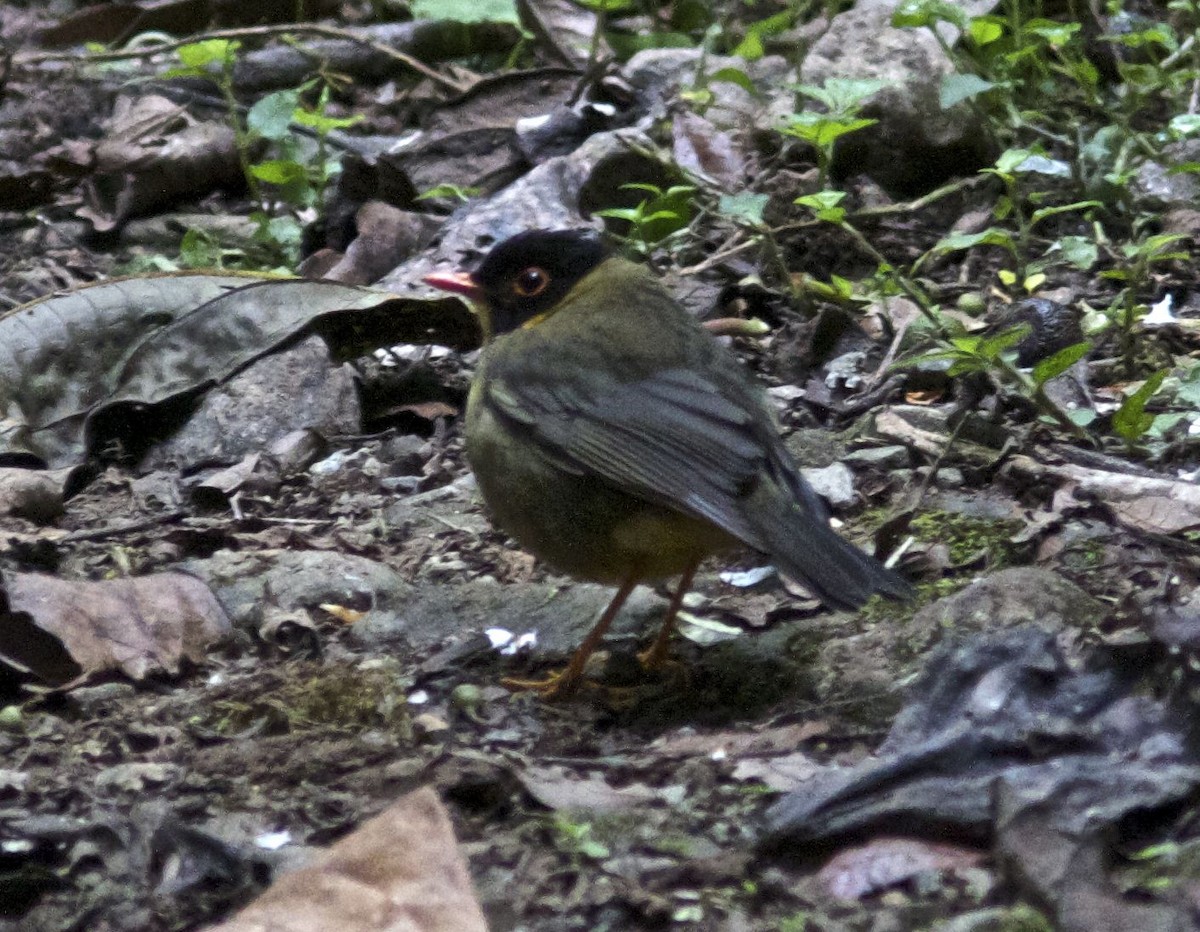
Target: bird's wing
x=678, y=439
x=671, y=437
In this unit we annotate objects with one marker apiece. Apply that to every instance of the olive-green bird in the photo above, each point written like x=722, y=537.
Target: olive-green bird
x=617, y=440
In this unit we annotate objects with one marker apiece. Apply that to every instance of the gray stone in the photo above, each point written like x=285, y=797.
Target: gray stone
x=834, y=483
x=292, y=390
x=913, y=131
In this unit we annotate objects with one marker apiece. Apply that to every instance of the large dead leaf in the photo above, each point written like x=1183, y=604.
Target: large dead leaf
x=139, y=342
x=1146, y=503
x=59, y=630
x=399, y=872
x=154, y=153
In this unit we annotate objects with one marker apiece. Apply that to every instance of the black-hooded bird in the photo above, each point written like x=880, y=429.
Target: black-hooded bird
x=619, y=441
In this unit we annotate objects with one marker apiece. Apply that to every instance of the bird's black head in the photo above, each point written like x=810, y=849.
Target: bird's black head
x=525, y=276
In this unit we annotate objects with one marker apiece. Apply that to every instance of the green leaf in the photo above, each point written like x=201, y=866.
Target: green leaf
x=1059, y=363
x=1035, y=164
x=959, y=87
x=745, y=207
x=1042, y=213
x=1130, y=420
x=984, y=30
x=449, y=190
x=1010, y=159
x=993, y=236
x=913, y=13
x=991, y=347
x=198, y=250
x=590, y=848
x=278, y=171
x=1188, y=392
x=468, y=11
x=842, y=95
x=1163, y=424
x=1080, y=251
x=322, y=122
x=751, y=47
x=1055, y=33
x=821, y=130
x=271, y=117
x=607, y=6
x=734, y=76
x=1185, y=124
x=825, y=205
x=966, y=366
x=211, y=51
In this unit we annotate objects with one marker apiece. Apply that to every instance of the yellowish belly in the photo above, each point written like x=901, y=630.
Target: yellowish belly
x=580, y=524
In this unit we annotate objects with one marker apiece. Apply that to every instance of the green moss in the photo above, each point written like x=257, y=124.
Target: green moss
x=967, y=536
x=338, y=695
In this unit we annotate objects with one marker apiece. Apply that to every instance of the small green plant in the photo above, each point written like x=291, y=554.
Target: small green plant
x=662, y=214
x=1130, y=421
x=299, y=167
x=453, y=191
x=842, y=98
x=575, y=839
x=1136, y=260
x=1013, y=166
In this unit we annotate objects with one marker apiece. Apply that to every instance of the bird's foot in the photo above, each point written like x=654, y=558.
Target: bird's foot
x=656, y=657
x=560, y=685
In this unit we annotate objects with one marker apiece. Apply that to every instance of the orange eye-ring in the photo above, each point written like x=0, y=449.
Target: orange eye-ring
x=531, y=282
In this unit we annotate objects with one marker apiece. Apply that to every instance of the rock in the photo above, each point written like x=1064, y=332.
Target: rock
x=1155, y=188
x=877, y=661
x=243, y=581
x=834, y=483
x=915, y=145
x=296, y=389
x=660, y=73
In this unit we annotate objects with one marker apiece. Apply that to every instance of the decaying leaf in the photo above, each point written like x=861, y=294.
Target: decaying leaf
x=58, y=630
x=1147, y=503
x=399, y=872
x=886, y=862
x=557, y=788
x=68, y=359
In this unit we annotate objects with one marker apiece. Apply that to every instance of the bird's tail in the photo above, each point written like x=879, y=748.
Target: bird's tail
x=805, y=547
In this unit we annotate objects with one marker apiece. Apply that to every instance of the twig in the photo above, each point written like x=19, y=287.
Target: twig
x=116, y=530
x=252, y=32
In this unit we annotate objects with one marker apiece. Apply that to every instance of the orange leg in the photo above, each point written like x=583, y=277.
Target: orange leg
x=656, y=655
x=563, y=684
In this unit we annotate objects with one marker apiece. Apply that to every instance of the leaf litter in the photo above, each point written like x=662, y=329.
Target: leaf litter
x=1035, y=716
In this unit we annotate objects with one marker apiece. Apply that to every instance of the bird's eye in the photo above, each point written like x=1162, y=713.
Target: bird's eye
x=531, y=282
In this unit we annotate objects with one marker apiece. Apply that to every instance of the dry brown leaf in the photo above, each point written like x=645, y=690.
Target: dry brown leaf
x=1147, y=503
x=60, y=629
x=886, y=862
x=738, y=744
x=784, y=773
x=399, y=872
x=556, y=788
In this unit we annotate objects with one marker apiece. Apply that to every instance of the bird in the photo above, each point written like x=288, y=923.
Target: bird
x=620, y=442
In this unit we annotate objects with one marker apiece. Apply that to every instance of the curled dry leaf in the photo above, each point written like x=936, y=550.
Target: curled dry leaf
x=557, y=788
x=886, y=862
x=399, y=872
x=59, y=630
